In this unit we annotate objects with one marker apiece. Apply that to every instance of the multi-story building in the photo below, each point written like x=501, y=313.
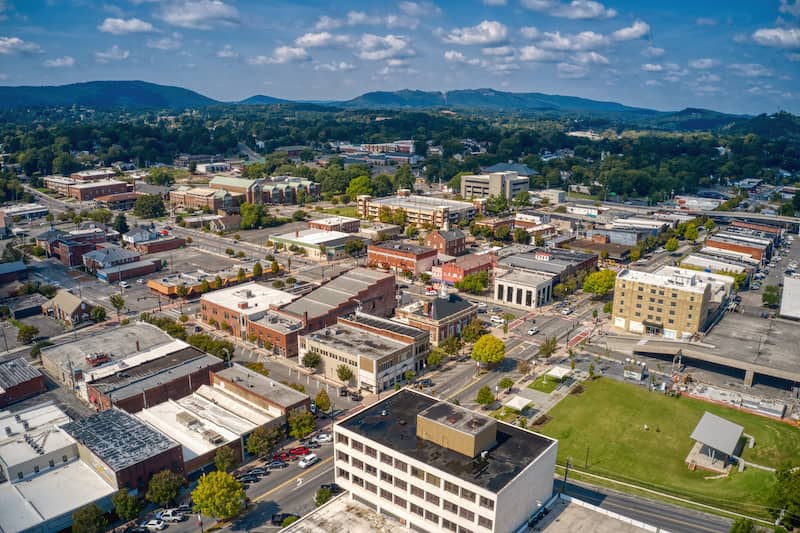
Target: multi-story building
x=212, y=168
x=553, y=196
x=554, y=262
x=453, y=272
x=276, y=332
x=443, y=317
x=756, y=247
x=234, y=308
x=447, y=241
x=672, y=302
x=275, y=190
x=67, y=307
x=60, y=184
x=519, y=288
x=378, y=351
x=419, y=210
x=502, y=184
x=108, y=255
x=401, y=257
x=82, y=191
x=437, y=467
x=201, y=198
x=94, y=175
x=317, y=244
x=337, y=223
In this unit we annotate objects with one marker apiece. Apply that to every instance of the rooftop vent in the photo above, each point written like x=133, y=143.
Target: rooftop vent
x=384, y=412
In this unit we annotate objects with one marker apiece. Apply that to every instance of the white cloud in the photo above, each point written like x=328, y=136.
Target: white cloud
x=706, y=21
x=499, y=51
x=420, y=9
x=704, y=63
x=60, y=62
x=328, y=23
x=115, y=53
x=789, y=8
x=200, y=14
x=652, y=51
x=377, y=48
x=570, y=71
x=281, y=55
x=486, y=33
x=793, y=57
x=652, y=83
x=341, y=66
x=314, y=40
x=529, y=32
x=227, y=52
x=576, y=9
x=636, y=31
x=117, y=26
x=750, y=70
x=360, y=18
x=173, y=42
x=397, y=66
x=652, y=67
x=586, y=58
x=454, y=56
x=708, y=78
x=536, y=54
x=585, y=40
x=13, y=45
x=494, y=2
x=778, y=37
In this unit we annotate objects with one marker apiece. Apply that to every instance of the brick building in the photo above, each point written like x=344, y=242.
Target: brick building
x=448, y=242
x=200, y=198
x=401, y=257
x=275, y=190
x=93, y=189
x=19, y=381
x=160, y=245
x=94, y=174
x=276, y=398
x=443, y=317
x=453, y=272
x=236, y=307
x=758, y=249
x=107, y=256
x=343, y=224
x=276, y=332
x=68, y=307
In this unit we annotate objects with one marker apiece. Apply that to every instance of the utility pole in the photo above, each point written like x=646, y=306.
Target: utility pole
x=566, y=473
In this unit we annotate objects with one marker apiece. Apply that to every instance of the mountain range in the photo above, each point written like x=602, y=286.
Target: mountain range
x=145, y=95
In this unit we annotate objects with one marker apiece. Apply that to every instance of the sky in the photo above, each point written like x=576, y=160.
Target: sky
x=738, y=56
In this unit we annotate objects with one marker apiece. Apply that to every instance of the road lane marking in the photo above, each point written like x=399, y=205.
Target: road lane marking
x=291, y=480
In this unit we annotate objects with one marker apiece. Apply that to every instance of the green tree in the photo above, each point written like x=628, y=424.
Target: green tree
x=691, y=233
x=771, y=296
x=435, y=358
x=89, y=519
x=710, y=224
x=126, y=505
x=181, y=291
x=225, y=459
x=98, y=314
x=742, y=525
x=786, y=210
x=205, y=286
x=473, y=331
x=149, y=206
x=522, y=199
x=636, y=253
x=506, y=383
x=360, y=185
x=164, y=487
x=322, y=496
x=274, y=267
x=354, y=247
x=241, y=275
x=671, y=245
x=502, y=233
x=344, y=373
x=312, y=359
x=451, y=345
x=476, y=283
x=403, y=178
x=121, y=224
x=160, y=176
x=485, y=396
x=608, y=307
x=117, y=302
x=489, y=350
x=26, y=333
x=559, y=290
x=548, y=347
x=600, y=283
x=289, y=520
x=521, y=236
x=299, y=215
x=219, y=495
x=258, y=270
x=301, y=424
x=496, y=204
x=786, y=496
x=263, y=441
x=323, y=401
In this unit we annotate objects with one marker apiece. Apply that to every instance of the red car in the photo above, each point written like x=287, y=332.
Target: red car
x=283, y=456
x=300, y=450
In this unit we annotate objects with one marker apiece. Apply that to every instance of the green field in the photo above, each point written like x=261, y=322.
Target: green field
x=348, y=211
x=609, y=418
x=540, y=385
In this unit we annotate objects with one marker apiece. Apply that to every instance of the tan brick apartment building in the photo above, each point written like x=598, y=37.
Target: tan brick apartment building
x=401, y=257
x=419, y=210
x=200, y=198
x=343, y=224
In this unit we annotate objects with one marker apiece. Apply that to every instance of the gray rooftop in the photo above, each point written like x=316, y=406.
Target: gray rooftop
x=263, y=386
x=110, y=254
x=415, y=249
x=120, y=440
x=12, y=266
x=357, y=341
x=558, y=263
x=519, y=168
x=416, y=201
x=16, y=371
x=514, y=449
x=336, y=292
x=718, y=433
x=387, y=324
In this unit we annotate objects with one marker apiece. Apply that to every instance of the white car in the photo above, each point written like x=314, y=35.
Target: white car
x=497, y=319
x=566, y=311
x=323, y=437
x=171, y=515
x=124, y=284
x=140, y=281
x=154, y=525
x=308, y=460
x=533, y=331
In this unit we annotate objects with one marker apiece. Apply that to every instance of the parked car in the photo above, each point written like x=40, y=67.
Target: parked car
x=284, y=456
x=171, y=515
x=184, y=508
x=300, y=450
x=154, y=525
x=278, y=519
x=425, y=382
x=312, y=444
x=140, y=281
x=248, y=478
x=356, y=396
x=124, y=284
x=333, y=487
x=276, y=465
x=323, y=437
x=497, y=319
x=533, y=331
x=257, y=471
x=566, y=311
x=343, y=392
x=308, y=460
x=482, y=305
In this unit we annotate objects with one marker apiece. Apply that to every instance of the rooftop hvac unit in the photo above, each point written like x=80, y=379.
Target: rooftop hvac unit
x=25, y=425
x=8, y=431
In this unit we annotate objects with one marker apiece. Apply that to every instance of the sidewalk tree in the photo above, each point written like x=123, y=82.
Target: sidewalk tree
x=474, y=283
x=451, y=345
x=506, y=383
x=258, y=270
x=225, y=459
x=164, y=487
x=263, y=441
x=523, y=367
x=89, y=519
x=323, y=401
x=608, y=307
x=742, y=525
x=435, y=358
x=521, y=236
x=149, y=206
x=27, y=333
x=126, y=505
x=473, y=331
x=548, y=347
x=322, y=496
x=118, y=303
x=489, y=350
x=786, y=495
x=485, y=396
x=691, y=233
x=344, y=373
x=98, y=314
x=710, y=225
x=312, y=360
x=274, y=267
x=219, y=495
x=771, y=296
x=181, y=291
x=600, y=283
x=301, y=424
x=671, y=245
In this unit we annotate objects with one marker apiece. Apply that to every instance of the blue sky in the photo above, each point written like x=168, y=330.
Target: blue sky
x=729, y=55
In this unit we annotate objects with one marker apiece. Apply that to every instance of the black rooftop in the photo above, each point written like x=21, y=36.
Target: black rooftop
x=442, y=308
x=512, y=452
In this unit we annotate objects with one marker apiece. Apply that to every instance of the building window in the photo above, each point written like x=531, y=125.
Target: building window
x=433, y=480
x=358, y=481
x=400, y=501
x=385, y=476
x=467, y=495
x=450, y=506
x=341, y=456
x=432, y=498
x=487, y=503
x=52, y=463
x=417, y=473
x=484, y=522
x=371, y=470
x=64, y=458
x=341, y=472
x=401, y=466
x=36, y=468
x=356, y=445
x=400, y=484
x=358, y=463
x=371, y=487
x=416, y=509
x=19, y=475
x=448, y=525
x=386, y=495
x=418, y=492
x=466, y=514
x=433, y=517
x=452, y=488
x=386, y=459
x=342, y=439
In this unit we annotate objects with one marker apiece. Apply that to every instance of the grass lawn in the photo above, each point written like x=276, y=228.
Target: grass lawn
x=348, y=211
x=609, y=418
x=540, y=385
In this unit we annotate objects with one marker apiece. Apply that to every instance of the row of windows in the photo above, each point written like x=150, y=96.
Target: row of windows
x=337, y=357
x=52, y=463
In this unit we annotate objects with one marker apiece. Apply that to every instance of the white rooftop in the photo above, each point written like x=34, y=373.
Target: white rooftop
x=334, y=220
x=41, y=421
x=98, y=183
x=30, y=502
x=135, y=360
x=313, y=236
x=249, y=298
x=685, y=280
x=559, y=372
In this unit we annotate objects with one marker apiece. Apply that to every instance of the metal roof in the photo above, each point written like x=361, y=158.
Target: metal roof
x=13, y=266
x=790, y=302
x=16, y=371
x=718, y=433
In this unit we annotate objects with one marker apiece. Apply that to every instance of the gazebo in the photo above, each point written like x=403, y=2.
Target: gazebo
x=716, y=441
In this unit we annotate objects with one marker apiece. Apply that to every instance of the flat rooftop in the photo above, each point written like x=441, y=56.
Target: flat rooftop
x=119, y=439
x=261, y=385
x=28, y=503
x=336, y=292
x=557, y=263
x=387, y=324
x=39, y=422
x=514, y=450
x=416, y=201
x=688, y=281
x=248, y=299
x=278, y=322
x=94, y=184
x=528, y=279
x=332, y=221
x=356, y=341
x=16, y=371
x=343, y=515
x=196, y=277
x=313, y=236
x=415, y=249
